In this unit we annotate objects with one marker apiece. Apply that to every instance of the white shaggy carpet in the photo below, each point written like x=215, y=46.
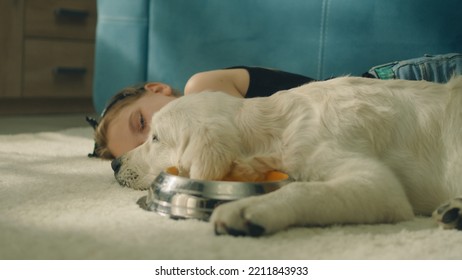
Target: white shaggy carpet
x=55, y=203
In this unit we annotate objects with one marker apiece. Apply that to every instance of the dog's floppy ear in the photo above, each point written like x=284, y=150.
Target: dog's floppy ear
x=210, y=149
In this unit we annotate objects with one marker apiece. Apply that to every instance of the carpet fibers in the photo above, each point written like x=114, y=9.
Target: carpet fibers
x=56, y=203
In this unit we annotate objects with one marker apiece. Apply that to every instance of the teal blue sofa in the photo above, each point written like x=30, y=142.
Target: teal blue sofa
x=170, y=40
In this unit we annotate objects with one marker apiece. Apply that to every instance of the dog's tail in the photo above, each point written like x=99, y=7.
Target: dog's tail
x=455, y=83
x=452, y=131
x=453, y=121
x=454, y=106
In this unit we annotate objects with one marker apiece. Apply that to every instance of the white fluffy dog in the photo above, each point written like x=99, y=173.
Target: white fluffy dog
x=360, y=151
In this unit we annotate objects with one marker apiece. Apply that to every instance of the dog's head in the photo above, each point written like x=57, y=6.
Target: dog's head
x=195, y=133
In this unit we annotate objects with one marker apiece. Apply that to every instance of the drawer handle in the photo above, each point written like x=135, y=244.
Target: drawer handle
x=71, y=13
x=75, y=71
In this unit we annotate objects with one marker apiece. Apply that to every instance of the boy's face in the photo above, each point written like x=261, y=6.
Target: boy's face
x=130, y=128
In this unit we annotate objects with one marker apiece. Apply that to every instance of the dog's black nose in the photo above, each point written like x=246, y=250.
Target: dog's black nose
x=116, y=164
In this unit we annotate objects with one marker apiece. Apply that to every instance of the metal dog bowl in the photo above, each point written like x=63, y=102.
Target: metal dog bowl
x=183, y=198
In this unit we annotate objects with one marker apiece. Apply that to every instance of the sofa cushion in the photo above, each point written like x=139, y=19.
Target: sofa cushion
x=169, y=41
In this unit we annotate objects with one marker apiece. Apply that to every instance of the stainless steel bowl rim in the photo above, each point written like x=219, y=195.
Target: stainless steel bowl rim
x=183, y=198
x=214, y=189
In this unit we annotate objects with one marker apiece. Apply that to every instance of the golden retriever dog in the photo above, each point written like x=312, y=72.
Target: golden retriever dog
x=359, y=151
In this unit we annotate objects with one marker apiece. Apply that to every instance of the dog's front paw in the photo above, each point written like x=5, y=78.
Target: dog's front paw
x=235, y=218
x=253, y=216
x=449, y=215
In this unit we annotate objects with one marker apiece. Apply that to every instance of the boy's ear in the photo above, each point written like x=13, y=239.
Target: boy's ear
x=158, y=88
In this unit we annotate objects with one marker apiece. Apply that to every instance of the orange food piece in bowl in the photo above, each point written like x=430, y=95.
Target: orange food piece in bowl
x=172, y=170
x=276, y=176
x=271, y=176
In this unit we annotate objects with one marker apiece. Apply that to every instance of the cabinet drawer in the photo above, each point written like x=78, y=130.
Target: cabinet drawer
x=54, y=68
x=60, y=18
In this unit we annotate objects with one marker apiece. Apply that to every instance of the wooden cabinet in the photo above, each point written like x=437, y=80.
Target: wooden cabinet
x=70, y=19
x=48, y=50
x=11, y=26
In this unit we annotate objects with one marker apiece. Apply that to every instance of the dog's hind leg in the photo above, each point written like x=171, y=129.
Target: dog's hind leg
x=359, y=191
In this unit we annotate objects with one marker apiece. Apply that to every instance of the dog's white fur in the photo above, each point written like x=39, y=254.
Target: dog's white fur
x=360, y=151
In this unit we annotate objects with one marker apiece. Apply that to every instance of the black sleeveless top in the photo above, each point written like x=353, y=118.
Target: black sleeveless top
x=265, y=82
